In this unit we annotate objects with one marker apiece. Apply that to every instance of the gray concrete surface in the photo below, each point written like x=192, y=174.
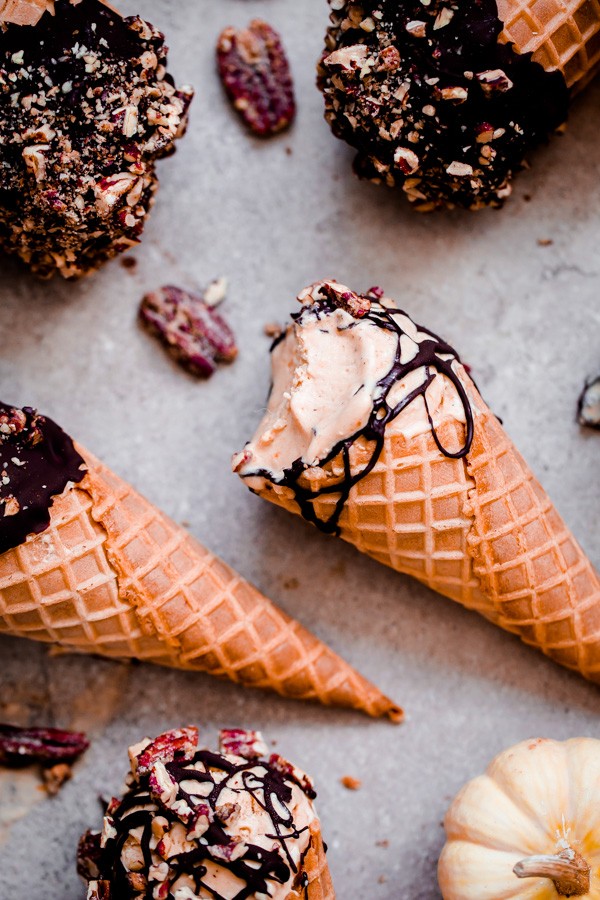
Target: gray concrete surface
x=526, y=318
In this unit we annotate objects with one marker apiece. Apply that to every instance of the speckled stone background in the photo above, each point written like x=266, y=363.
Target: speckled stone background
x=273, y=217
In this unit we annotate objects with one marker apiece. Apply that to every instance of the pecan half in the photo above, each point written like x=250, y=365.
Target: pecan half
x=23, y=746
x=256, y=75
x=192, y=331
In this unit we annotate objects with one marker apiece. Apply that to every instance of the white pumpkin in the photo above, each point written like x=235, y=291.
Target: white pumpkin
x=528, y=829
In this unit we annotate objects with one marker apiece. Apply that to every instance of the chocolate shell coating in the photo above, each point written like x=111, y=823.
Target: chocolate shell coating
x=433, y=102
x=37, y=462
x=86, y=109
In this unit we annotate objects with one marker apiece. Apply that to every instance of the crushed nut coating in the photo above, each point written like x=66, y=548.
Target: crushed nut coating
x=86, y=109
x=432, y=102
x=192, y=331
x=256, y=75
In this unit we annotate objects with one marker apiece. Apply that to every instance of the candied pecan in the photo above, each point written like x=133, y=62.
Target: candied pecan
x=181, y=743
x=89, y=854
x=192, y=331
x=247, y=744
x=255, y=72
x=22, y=746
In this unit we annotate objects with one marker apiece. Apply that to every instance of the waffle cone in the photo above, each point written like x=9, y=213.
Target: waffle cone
x=29, y=12
x=316, y=877
x=479, y=530
x=114, y=576
x=561, y=34
x=24, y=12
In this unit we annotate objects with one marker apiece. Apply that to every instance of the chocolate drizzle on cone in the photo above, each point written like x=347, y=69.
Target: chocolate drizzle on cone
x=434, y=355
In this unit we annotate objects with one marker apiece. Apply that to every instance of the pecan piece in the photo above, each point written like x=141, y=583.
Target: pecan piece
x=180, y=743
x=247, y=744
x=588, y=407
x=89, y=855
x=256, y=75
x=192, y=331
x=55, y=777
x=99, y=890
x=23, y=746
x=347, y=300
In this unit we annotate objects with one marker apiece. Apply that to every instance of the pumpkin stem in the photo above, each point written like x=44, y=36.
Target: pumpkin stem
x=568, y=870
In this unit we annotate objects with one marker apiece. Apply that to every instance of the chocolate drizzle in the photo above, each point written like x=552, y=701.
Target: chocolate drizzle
x=433, y=101
x=434, y=356
x=37, y=461
x=197, y=781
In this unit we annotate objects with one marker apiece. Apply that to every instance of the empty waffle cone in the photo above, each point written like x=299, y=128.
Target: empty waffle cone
x=480, y=530
x=562, y=35
x=315, y=871
x=113, y=576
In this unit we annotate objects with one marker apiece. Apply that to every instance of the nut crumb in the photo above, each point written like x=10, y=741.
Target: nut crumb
x=352, y=784
x=55, y=777
x=545, y=242
x=273, y=329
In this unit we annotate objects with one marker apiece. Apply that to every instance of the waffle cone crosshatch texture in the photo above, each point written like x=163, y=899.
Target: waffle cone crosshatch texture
x=457, y=621
x=561, y=34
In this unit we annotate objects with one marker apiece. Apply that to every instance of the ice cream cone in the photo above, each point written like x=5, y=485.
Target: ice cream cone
x=561, y=34
x=114, y=576
x=478, y=529
x=29, y=12
x=317, y=877
x=23, y=12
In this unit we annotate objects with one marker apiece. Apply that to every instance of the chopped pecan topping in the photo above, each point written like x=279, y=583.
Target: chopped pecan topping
x=352, y=303
x=247, y=744
x=180, y=743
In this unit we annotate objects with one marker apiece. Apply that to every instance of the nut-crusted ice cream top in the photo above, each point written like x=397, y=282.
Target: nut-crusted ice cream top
x=232, y=825
x=432, y=99
x=348, y=367
x=86, y=108
x=37, y=461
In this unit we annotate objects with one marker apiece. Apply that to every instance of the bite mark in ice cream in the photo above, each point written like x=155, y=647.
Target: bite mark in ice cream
x=347, y=367
x=195, y=823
